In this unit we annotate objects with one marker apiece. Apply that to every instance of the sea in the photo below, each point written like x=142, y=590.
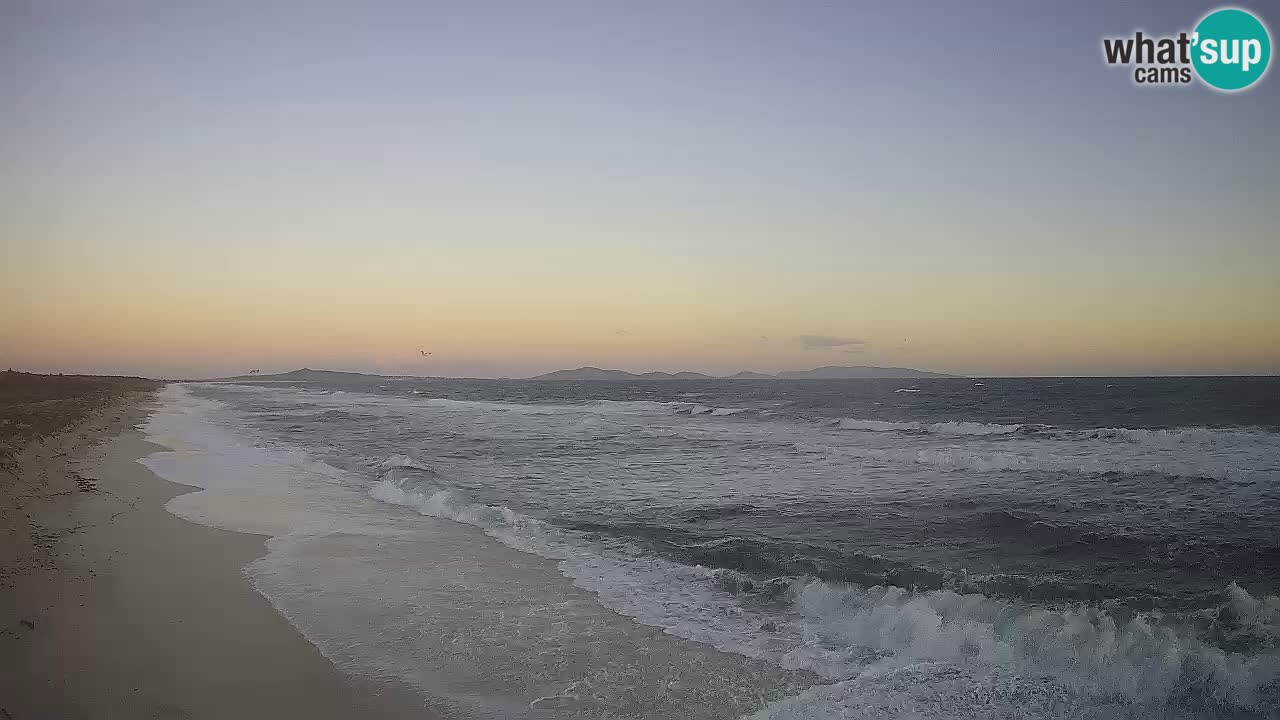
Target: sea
x=924, y=548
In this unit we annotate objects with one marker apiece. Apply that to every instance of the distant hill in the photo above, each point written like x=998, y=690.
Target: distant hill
x=587, y=373
x=675, y=376
x=595, y=373
x=822, y=373
x=302, y=375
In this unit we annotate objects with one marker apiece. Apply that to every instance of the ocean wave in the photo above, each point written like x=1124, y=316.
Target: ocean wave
x=1158, y=437
x=1174, y=436
x=1223, y=439
x=1084, y=647
x=678, y=407
x=513, y=529
x=933, y=691
x=511, y=407
x=1032, y=459
x=950, y=648
x=705, y=513
x=839, y=629
x=604, y=407
x=941, y=428
x=701, y=409
x=402, y=461
x=1247, y=618
x=1046, y=462
x=694, y=540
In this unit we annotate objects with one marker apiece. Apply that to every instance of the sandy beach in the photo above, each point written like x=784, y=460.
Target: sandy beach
x=211, y=550
x=639, y=361
x=114, y=608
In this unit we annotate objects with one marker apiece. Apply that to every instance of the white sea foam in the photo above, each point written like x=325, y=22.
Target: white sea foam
x=245, y=488
x=1035, y=460
x=942, y=428
x=934, y=691
x=1083, y=647
x=1177, y=436
x=683, y=600
x=885, y=648
x=830, y=628
x=402, y=461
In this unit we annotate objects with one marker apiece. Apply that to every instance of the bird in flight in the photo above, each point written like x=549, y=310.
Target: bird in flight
x=424, y=353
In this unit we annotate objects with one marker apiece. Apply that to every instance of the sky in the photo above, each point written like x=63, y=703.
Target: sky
x=198, y=189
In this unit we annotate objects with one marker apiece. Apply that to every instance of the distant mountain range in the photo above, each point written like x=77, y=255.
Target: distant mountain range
x=301, y=375
x=830, y=372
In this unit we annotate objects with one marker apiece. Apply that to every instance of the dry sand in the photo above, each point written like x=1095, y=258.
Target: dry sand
x=110, y=607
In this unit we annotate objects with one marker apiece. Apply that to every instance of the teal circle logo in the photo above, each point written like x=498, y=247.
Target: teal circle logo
x=1230, y=49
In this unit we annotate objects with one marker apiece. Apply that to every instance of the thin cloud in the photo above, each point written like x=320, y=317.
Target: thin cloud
x=822, y=342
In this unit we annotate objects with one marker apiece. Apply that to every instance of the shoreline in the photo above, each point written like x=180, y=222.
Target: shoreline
x=480, y=628
x=127, y=610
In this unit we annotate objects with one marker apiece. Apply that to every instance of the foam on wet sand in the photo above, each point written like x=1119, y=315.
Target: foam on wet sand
x=138, y=613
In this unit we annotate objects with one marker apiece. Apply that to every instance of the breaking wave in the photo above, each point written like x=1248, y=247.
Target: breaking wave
x=942, y=428
x=1137, y=658
x=1157, y=436
x=842, y=630
x=402, y=461
x=1032, y=459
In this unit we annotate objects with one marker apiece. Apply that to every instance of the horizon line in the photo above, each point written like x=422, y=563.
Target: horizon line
x=397, y=376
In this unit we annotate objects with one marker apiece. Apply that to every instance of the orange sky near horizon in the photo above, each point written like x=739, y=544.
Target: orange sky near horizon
x=179, y=314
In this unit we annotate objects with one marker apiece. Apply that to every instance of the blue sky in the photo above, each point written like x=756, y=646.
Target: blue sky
x=527, y=185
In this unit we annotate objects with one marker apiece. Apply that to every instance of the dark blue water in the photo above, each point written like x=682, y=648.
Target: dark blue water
x=1150, y=502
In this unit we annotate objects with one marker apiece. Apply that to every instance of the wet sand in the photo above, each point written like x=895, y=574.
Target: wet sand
x=111, y=607
x=116, y=607
x=482, y=629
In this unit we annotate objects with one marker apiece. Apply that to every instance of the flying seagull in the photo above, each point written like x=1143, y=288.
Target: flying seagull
x=253, y=372
x=424, y=353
